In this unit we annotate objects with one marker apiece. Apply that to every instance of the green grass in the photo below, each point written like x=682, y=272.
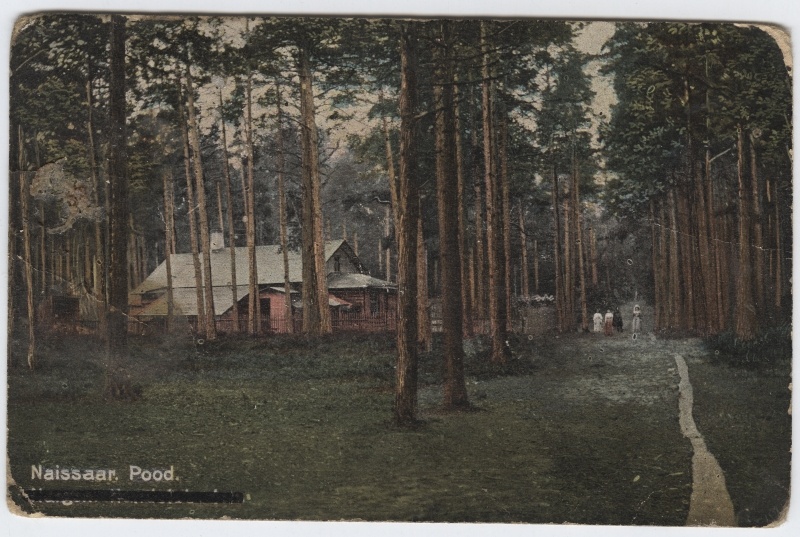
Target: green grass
x=771, y=349
x=578, y=429
x=742, y=409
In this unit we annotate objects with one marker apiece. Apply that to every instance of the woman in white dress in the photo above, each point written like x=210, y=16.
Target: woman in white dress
x=598, y=322
x=637, y=319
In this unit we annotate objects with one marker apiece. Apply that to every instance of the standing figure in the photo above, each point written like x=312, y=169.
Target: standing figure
x=608, y=327
x=598, y=322
x=637, y=319
x=617, y=317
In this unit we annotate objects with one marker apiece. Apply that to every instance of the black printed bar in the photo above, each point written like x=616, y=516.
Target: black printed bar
x=149, y=496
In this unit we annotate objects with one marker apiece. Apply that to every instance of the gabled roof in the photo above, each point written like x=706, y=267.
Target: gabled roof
x=184, y=301
x=269, y=261
x=342, y=280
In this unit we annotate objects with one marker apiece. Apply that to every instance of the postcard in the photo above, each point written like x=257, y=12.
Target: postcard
x=376, y=269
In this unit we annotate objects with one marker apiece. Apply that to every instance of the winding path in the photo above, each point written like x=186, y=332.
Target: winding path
x=710, y=503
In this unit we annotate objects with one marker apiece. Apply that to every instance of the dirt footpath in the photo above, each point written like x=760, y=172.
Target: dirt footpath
x=646, y=379
x=609, y=414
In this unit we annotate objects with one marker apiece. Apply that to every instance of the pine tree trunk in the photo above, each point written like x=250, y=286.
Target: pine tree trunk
x=706, y=227
x=711, y=316
x=464, y=261
x=435, y=276
x=169, y=230
x=471, y=279
x=536, y=266
x=657, y=267
x=505, y=227
x=42, y=254
x=688, y=267
x=675, y=292
x=140, y=255
x=143, y=257
x=666, y=291
x=746, y=319
x=493, y=249
x=688, y=236
x=769, y=252
x=35, y=261
x=660, y=269
x=131, y=255
x=778, y=252
x=24, y=196
x=253, y=302
x=283, y=218
x=579, y=242
x=52, y=271
x=569, y=284
x=68, y=278
x=587, y=254
x=13, y=226
x=77, y=282
x=117, y=340
x=480, y=253
x=134, y=238
x=380, y=256
x=479, y=304
x=523, y=246
x=229, y=215
x=406, y=225
x=80, y=260
x=387, y=227
x=57, y=262
x=717, y=319
x=593, y=255
x=448, y=202
x=758, y=233
x=392, y=193
x=220, y=214
x=424, y=338
x=728, y=254
x=205, y=237
x=316, y=312
x=187, y=168
x=720, y=276
x=86, y=262
x=99, y=264
x=559, y=294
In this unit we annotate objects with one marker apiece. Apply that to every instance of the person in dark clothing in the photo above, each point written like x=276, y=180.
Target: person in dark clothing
x=617, y=320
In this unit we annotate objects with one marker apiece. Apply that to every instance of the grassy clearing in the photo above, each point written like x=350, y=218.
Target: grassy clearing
x=742, y=401
x=580, y=429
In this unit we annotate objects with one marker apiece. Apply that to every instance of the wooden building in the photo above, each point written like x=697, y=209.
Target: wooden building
x=358, y=301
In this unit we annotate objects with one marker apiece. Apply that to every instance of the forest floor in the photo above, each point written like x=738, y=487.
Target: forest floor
x=580, y=428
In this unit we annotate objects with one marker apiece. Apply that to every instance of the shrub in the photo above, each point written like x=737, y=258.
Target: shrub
x=771, y=348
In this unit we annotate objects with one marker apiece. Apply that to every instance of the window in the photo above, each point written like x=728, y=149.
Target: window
x=337, y=264
x=374, y=303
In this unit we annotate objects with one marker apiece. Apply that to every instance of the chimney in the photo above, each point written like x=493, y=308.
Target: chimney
x=217, y=241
